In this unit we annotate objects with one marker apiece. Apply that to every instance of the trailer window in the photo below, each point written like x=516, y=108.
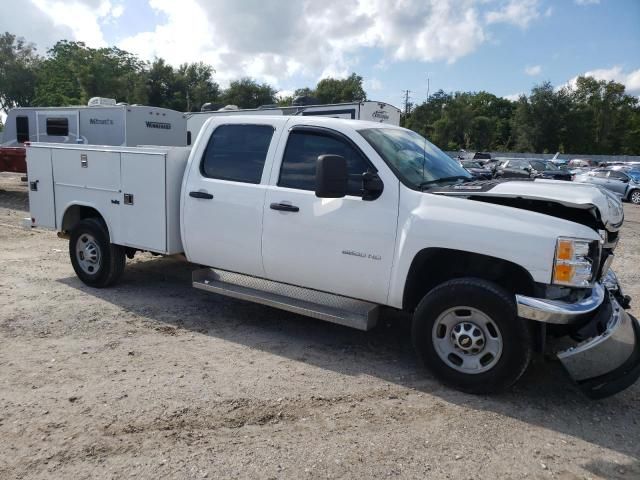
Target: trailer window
x=58, y=127
x=301, y=155
x=22, y=129
x=237, y=153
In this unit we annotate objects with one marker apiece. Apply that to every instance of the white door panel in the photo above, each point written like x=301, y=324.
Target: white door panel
x=225, y=231
x=41, y=197
x=222, y=218
x=143, y=220
x=338, y=245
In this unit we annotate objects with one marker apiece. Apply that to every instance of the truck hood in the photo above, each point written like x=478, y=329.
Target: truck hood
x=603, y=205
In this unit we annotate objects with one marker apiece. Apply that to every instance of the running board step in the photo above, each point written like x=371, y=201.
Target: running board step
x=304, y=301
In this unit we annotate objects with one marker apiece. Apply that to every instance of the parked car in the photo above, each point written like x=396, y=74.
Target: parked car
x=582, y=163
x=477, y=170
x=623, y=182
x=530, y=168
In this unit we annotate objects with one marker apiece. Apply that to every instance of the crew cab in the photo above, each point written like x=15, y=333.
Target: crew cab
x=340, y=219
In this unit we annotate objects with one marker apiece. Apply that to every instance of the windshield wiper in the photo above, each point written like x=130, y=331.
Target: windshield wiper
x=443, y=179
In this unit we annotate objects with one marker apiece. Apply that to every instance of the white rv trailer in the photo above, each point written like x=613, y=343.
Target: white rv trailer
x=101, y=122
x=367, y=110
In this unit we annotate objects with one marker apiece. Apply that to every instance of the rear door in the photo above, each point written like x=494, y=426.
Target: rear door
x=223, y=198
x=57, y=126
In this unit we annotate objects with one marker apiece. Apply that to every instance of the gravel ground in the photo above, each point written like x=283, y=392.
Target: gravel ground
x=153, y=379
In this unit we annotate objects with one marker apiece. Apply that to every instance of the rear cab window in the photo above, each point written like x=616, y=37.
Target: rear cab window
x=237, y=153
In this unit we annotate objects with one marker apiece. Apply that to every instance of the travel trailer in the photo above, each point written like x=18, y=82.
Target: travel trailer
x=101, y=122
x=368, y=110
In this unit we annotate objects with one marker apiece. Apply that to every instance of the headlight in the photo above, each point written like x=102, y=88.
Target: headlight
x=576, y=261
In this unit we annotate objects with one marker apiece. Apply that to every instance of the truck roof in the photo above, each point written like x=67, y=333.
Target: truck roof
x=311, y=120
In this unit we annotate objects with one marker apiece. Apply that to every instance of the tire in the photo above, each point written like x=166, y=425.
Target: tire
x=467, y=333
x=634, y=197
x=96, y=261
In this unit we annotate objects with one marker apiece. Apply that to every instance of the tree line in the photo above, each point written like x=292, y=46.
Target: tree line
x=593, y=116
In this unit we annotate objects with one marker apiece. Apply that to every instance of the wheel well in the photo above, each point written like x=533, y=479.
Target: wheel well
x=75, y=213
x=433, y=266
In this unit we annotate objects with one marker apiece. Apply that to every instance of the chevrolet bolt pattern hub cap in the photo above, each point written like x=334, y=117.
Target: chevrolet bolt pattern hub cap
x=467, y=340
x=88, y=254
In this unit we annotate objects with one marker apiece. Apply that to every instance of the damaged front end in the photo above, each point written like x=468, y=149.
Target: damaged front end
x=606, y=357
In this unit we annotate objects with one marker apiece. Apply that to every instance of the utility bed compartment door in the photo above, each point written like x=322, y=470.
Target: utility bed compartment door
x=143, y=213
x=41, y=199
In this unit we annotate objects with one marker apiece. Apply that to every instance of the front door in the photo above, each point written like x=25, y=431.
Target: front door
x=339, y=245
x=617, y=182
x=223, y=202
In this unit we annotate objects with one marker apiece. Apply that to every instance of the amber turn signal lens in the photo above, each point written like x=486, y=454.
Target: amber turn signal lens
x=563, y=273
x=565, y=250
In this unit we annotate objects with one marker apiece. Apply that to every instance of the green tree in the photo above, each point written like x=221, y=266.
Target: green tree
x=73, y=73
x=481, y=132
x=521, y=126
x=333, y=90
x=19, y=65
x=197, y=79
x=247, y=93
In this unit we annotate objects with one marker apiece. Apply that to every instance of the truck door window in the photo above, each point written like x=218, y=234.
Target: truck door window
x=303, y=149
x=237, y=153
x=22, y=129
x=58, y=127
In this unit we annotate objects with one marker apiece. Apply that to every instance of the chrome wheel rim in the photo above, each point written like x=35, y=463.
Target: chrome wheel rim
x=635, y=197
x=467, y=340
x=88, y=253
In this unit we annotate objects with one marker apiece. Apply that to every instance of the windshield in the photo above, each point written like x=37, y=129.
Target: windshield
x=634, y=174
x=415, y=160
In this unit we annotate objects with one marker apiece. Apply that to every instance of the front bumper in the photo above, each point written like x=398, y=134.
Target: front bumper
x=606, y=359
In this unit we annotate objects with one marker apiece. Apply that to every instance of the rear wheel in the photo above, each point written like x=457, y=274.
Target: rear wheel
x=467, y=333
x=635, y=197
x=96, y=261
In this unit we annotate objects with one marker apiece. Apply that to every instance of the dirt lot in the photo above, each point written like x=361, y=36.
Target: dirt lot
x=153, y=379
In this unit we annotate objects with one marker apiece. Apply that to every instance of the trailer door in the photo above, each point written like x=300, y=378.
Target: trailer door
x=60, y=126
x=41, y=199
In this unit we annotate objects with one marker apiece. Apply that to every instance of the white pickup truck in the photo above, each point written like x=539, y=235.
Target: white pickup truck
x=337, y=219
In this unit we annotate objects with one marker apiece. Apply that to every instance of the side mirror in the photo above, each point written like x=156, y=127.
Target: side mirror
x=331, y=176
x=372, y=186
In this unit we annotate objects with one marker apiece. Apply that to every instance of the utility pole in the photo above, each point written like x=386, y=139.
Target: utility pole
x=428, y=81
x=407, y=105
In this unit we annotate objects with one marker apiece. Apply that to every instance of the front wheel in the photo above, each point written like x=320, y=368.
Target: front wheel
x=467, y=332
x=635, y=197
x=96, y=261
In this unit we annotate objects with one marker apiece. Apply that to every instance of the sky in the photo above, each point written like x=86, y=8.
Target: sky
x=501, y=46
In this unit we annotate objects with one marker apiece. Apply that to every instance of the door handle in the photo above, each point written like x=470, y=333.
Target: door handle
x=204, y=195
x=284, y=207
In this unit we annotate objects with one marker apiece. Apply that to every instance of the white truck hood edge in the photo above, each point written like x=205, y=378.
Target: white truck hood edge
x=569, y=194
